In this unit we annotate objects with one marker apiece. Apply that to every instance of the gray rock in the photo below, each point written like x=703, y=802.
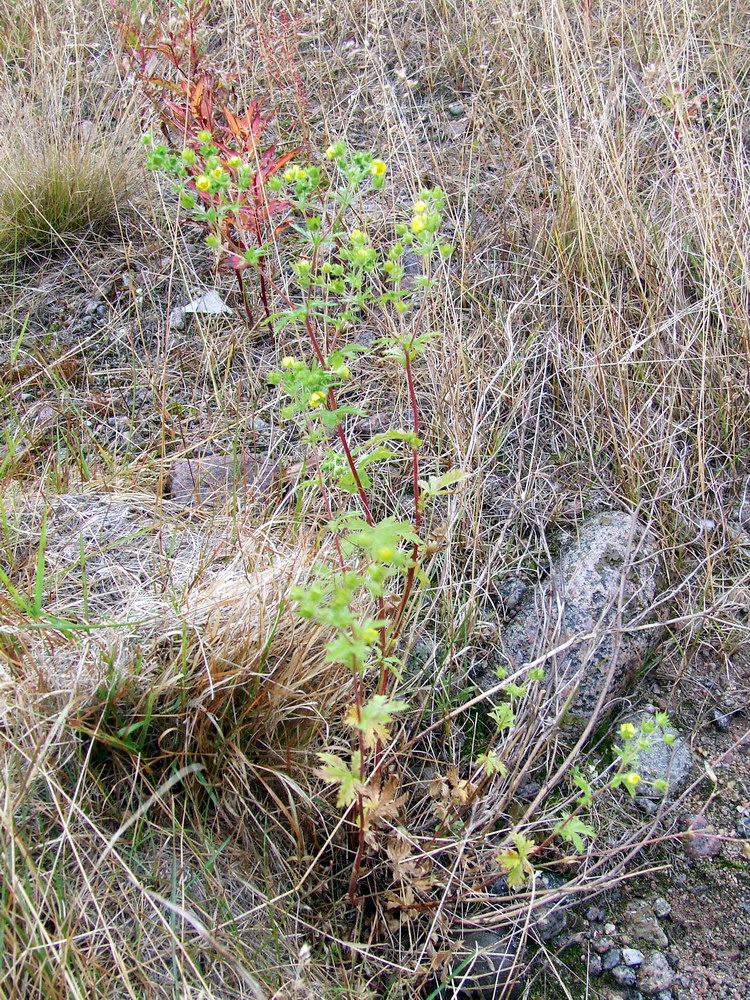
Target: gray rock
x=595, y=965
x=456, y=110
x=216, y=479
x=631, y=956
x=672, y=762
x=551, y=919
x=661, y=907
x=719, y=720
x=641, y=924
x=611, y=959
x=603, y=944
x=552, y=923
x=623, y=976
x=600, y=584
x=743, y=825
x=487, y=966
x=655, y=974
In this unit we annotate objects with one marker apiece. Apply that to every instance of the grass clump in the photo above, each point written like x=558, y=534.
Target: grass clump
x=59, y=191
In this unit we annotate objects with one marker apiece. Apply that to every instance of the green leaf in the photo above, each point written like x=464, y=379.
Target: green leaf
x=437, y=486
x=515, y=863
x=573, y=830
x=491, y=763
x=503, y=716
x=373, y=718
x=584, y=785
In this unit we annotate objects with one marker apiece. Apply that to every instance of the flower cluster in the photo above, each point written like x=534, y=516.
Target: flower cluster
x=636, y=740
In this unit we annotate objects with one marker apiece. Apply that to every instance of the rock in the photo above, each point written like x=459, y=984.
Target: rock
x=488, y=965
x=600, y=584
x=719, y=720
x=595, y=965
x=642, y=925
x=603, y=944
x=670, y=761
x=661, y=907
x=216, y=479
x=552, y=918
x=594, y=914
x=631, y=956
x=623, y=976
x=456, y=110
x=743, y=825
x=701, y=841
x=208, y=304
x=528, y=791
x=551, y=924
x=655, y=974
x=609, y=928
x=507, y=596
x=610, y=959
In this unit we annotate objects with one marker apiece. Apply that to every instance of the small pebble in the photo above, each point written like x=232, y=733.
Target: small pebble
x=603, y=944
x=595, y=965
x=719, y=720
x=743, y=825
x=701, y=842
x=456, y=110
x=594, y=914
x=661, y=907
x=623, y=976
x=631, y=956
x=609, y=928
x=611, y=959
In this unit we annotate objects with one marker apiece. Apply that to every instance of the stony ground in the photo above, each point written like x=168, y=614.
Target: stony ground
x=684, y=929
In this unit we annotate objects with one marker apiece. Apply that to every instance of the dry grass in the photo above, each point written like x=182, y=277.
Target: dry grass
x=595, y=355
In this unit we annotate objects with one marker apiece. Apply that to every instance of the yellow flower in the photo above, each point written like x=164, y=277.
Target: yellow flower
x=234, y=161
x=317, y=399
x=385, y=553
x=417, y=225
x=288, y=362
x=370, y=635
x=218, y=173
x=627, y=730
x=378, y=168
x=420, y=207
x=295, y=174
x=633, y=779
x=203, y=183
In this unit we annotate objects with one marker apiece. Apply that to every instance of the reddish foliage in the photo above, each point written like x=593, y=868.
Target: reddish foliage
x=168, y=59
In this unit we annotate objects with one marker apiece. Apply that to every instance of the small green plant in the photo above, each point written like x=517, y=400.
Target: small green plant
x=341, y=277
x=517, y=861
